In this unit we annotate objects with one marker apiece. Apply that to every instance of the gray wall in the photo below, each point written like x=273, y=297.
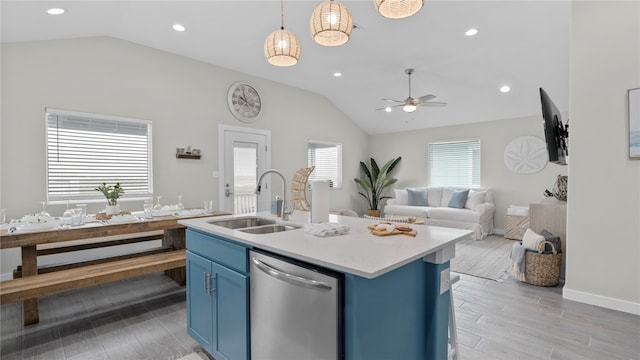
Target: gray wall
x=509, y=188
x=186, y=100
x=603, y=238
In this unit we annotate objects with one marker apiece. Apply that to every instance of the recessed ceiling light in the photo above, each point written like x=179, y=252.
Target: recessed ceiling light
x=387, y=109
x=337, y=74
x=505, y=89
x=55, y=11
x=471, y=32
x=178, y=27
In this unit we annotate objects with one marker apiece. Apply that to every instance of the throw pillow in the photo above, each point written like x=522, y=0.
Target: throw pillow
x=402, y=198
x=474, y=199
x=554, y=239
x=417, y=197
x=458, y=199
x=434, y=196
x=531, y=240
x=446, y=196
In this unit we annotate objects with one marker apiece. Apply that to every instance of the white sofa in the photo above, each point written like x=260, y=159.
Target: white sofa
x=476, y=214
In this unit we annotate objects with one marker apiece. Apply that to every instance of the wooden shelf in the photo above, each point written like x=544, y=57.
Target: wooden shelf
x=188, y=156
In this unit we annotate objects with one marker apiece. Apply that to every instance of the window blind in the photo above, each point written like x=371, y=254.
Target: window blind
x=327, y=159
x=85, y=150
x=455, y=163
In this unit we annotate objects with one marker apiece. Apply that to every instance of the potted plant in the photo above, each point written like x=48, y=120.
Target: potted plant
x=375, y=182
x=112, y=193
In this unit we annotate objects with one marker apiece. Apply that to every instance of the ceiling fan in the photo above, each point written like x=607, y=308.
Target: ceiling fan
x=410, y=104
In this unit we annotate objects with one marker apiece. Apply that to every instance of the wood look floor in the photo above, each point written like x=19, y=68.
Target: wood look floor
x=145, y=318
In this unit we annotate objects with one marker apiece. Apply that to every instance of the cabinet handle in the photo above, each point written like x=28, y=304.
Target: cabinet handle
x=206, y=283
x=213, y=279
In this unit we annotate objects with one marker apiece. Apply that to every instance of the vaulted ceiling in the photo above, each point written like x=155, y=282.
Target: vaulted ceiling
x=521, y=44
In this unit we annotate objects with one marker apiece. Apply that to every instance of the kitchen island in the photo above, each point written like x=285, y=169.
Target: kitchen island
x=396, y=299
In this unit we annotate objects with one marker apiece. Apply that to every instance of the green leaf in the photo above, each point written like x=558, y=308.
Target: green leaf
x=376, y=181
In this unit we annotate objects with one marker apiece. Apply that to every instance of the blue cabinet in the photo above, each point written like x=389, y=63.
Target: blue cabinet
x=218, y=296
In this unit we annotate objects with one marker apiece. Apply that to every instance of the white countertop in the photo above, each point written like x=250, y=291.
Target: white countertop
x=358, y=252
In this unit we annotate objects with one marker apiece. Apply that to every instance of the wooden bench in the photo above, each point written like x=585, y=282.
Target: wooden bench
x=29, y=287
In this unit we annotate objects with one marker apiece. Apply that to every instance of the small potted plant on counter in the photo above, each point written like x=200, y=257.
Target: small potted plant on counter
x=112, y=193
x=375, y=183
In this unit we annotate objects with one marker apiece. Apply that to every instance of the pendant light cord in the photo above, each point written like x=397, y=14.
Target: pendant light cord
x=282, y=14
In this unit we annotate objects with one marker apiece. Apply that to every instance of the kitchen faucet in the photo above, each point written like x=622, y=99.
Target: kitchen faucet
x=283, y=213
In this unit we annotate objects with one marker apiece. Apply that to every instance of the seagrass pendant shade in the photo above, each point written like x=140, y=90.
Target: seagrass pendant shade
x=331, y=24
x=398, y=9
x=282, y=48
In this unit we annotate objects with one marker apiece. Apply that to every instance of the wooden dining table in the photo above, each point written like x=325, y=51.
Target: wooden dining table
x=97, y=234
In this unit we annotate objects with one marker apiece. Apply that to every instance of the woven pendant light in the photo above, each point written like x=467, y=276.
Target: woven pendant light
x=331, y=24
x=398, y=9
x=282, y=48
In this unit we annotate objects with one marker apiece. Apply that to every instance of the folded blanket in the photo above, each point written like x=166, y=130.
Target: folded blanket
x=326, y=229
x=516, y=261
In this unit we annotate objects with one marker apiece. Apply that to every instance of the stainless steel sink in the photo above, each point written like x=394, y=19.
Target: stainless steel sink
x=243, y=222
x=268, y=229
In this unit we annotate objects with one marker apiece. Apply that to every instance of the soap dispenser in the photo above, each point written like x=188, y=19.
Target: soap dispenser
x=276, y=206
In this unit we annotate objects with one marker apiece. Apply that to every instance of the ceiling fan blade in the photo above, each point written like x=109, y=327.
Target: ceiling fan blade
x=400, y=101
x=433, y=103
x=390, y=106
x=425, y=98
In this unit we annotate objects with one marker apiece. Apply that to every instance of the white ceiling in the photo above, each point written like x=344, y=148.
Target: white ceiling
x=523, y=44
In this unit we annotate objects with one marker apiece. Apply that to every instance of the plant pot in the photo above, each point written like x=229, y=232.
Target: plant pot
x=113, y=209
x=373, y=213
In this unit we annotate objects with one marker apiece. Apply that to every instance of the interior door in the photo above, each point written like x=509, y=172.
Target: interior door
x=244, y=155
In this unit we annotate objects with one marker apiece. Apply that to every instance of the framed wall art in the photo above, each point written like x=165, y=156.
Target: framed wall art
x=634, y=123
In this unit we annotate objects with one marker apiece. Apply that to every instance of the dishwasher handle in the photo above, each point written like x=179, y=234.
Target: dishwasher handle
x=292, y=279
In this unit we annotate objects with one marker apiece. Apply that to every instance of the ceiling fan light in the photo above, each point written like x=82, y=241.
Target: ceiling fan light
x=398, y=9
x=331, y=24
x=282, y=48
x=409, y=108
x=55, y=11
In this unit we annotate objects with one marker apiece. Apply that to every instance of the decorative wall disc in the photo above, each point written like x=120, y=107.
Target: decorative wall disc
x=526, y=155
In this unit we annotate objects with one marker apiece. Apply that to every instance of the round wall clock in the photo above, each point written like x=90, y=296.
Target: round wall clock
x=244, y=102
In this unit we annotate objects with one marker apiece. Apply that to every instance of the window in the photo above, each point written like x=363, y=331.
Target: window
x=327, y=158
x=85, y=150
x=455, y=163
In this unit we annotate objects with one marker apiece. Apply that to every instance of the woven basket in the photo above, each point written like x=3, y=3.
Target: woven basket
x=543, y=269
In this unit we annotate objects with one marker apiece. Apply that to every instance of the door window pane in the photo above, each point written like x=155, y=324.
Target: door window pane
x=245, y=177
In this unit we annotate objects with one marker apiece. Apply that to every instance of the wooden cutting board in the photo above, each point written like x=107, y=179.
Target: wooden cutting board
x=412, y=232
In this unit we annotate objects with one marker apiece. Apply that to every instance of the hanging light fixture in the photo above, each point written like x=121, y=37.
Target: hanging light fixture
x=409, y=107
x=282, y=48
x=398, y=9
x=331, y=24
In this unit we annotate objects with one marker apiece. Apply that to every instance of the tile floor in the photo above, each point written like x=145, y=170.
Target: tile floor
x=145, y=318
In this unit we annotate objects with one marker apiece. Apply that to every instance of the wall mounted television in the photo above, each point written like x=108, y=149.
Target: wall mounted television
x=556, y=134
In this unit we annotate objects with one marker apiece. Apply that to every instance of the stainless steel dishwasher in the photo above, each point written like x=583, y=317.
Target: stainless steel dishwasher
x=296, y=310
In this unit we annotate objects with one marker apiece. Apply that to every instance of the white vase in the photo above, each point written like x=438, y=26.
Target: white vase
x=113, y=209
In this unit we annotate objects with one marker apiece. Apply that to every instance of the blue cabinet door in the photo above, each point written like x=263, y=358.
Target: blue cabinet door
x=200, y=315
x=231, y=306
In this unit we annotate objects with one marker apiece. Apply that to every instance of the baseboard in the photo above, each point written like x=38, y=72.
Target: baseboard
x=7, y=276
x=602, y=301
